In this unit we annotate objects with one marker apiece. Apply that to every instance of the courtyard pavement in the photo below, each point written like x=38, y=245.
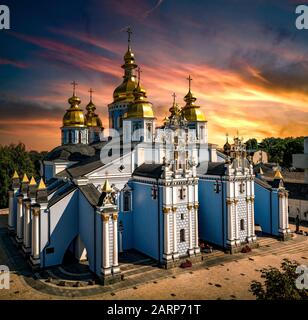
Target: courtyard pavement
x=218, y=276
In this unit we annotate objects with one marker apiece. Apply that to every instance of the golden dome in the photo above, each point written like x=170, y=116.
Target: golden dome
x=91, y=118
x=140, y=107
x=74, y=116
x=125, y=90
x=192, y=112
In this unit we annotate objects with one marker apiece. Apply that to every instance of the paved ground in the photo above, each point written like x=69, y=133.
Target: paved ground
x=219, y=276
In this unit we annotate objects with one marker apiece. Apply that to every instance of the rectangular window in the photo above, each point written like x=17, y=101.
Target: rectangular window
x=126, y=201
x=182, y=194
x=242, y=222
x=182, y=235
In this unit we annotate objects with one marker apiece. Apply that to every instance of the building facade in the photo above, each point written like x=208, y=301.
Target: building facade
x=158, y=190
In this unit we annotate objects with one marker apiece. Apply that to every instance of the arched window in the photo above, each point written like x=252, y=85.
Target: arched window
x=182, y=235
x=79, y=137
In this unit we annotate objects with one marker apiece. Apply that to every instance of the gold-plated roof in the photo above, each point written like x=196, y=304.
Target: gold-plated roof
x=91, y=118
x=278, y=175
x=106, y=187
x=140, y=107
x=15, y=175
x=192, y=112
x=32, y=182
x=25, y=178
x=124, y=92
x=41, y=185
x=74, y=116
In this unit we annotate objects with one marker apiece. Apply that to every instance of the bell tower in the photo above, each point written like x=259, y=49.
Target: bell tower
x=123, y=94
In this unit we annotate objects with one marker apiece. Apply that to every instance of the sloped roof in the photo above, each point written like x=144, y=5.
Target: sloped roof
x=149, y=170
x=71, y=152
x=91, y=193
x=212, y=168
x=61, y=194
x=82, y=168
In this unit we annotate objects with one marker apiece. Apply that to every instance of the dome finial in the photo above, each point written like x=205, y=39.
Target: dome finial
x=174, y=96
x=91, y=92
x=74, y=84
x=189, y=82
x=129, y=33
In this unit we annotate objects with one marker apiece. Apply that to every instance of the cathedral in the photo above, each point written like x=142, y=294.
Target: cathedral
x=164, y=191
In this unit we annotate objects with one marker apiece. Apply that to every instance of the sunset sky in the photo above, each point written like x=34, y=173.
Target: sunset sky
x=248, y=62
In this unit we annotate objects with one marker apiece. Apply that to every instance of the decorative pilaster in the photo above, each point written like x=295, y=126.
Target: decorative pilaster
x=35, y=248
x=105, y=245
x=167, y=252
x=230, y=237
x=27, y=226
x=197, y=248
x=11, y=211
x=115, y=265
x=19, y=225
x=175, y=238
x=191, y=250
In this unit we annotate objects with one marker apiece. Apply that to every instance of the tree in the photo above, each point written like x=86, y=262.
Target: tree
x=279, y=284
x=252, y=145
x=13, y=157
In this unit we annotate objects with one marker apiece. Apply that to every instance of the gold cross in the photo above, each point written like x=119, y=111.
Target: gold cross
x=189, y=81
x=74, y=84
x=129, y=32
x=174, y=96
x=91, y=91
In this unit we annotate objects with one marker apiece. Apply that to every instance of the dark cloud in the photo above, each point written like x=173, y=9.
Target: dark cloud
x=28, y=110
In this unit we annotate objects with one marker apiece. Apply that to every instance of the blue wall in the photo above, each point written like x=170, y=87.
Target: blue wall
x=63, y=228
x=145, y=226
x=266, y=209
x=212, y=213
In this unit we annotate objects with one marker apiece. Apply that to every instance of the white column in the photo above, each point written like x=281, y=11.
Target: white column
x=115, y=243
x=281, y=212
x=35, y=250
x=253, y=235
x=248, y=210
x=19, y=220
x=11, y=211
x=105, y=245
x=27, y=225
x=197, y=248
x=175, y=240
x=166, y=232
x=286, y=199
x=191, y=245
x=230, y=235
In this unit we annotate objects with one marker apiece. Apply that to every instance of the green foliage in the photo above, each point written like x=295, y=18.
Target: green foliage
x=15, y=157
x=279, y=284
x=252, y=144
x=279, y=150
